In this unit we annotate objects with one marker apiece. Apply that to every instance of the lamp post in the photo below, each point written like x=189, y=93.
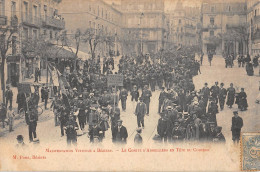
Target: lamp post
x=141, y=17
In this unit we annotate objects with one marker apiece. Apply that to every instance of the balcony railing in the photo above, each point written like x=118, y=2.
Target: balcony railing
x=28, y=19
x=53, y=22
x=3, y=20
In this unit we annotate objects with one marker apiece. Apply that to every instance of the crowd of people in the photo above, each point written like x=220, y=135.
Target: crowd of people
x=85, y=99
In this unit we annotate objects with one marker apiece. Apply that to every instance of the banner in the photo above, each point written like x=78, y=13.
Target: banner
x=115, y=80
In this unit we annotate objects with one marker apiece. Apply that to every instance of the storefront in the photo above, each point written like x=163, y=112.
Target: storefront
x=13, y=70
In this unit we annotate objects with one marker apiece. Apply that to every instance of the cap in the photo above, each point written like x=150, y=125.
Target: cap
x=74, y=89
x=235, y=112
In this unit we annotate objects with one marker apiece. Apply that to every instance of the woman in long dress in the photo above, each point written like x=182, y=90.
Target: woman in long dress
x=231, y=95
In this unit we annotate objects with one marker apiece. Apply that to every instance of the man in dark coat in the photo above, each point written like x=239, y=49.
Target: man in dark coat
x=134, y=94
x=21, y=101
x=164, y=127
x=162, y=97
x=123, y=96
x=205, y=93
x=119, y=133
x=140, y=112
x=63, y=118
x=219, y=137
x=237, y=124
x=215, y=91
x=95, y=132
x=146, y=95
x=71, y=132
x=8, y=96
x=222, y=96
x=242, y=100
x=31, y=118
x=3, y=113
x=212, y=110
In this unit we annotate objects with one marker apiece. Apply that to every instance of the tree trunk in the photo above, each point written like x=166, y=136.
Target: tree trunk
x=3, y=77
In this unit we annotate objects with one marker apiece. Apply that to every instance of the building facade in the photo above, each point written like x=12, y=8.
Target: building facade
x=34, y=18
x=253, y=18
x=183, y=25
x=145, y=21
x=97, y=15
x=223, y=26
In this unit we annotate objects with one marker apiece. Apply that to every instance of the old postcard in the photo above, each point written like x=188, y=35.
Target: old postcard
x=129, y=85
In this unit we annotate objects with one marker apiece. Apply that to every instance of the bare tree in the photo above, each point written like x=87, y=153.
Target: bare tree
x=94, y=38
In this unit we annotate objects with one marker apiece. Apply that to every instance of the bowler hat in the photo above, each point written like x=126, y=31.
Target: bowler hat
x=19, y=137
x=235, y=112
x=120, y=120
x=139, y=130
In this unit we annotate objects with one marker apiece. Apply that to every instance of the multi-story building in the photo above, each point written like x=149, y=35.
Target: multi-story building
x=146, y=19
x=34, y=18
x=183, y=25
x=94, y=14
x=220, y=20
x=253, y=19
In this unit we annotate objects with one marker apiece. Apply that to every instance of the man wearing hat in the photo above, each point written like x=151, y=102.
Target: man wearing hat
x=138, y=140
x=177, y=132
x=237, y=124
x=31, y=118
x=119, y=133
x=164, y=127
x=212, y=131
x=8, y=96
x=222, y=96
x=215, y=91
x=219, y=138
x=95, y=132
x=205, y=93
x=140, y=112
x=162, y=97
x=20, y=141
x=123, y=96
x=146, y=95
x=71, y=132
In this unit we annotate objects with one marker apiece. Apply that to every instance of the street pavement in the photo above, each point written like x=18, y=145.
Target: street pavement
x=49, y=135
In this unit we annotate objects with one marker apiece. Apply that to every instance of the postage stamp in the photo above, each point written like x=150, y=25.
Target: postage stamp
x=250, y=152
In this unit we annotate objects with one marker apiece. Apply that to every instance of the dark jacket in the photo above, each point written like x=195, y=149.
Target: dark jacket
x=119, y=136
x=237, y=123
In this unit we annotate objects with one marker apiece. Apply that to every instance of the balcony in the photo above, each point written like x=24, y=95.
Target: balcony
x=28, y=19
x=53, y=22
x=233, y=25
x=3, y=20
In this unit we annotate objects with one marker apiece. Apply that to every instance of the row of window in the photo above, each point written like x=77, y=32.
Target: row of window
x=35, y=12
x=100, y=12
x=105, y=29
x=34, y=34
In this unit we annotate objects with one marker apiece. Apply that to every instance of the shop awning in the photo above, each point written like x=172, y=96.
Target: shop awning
x=81, y=55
